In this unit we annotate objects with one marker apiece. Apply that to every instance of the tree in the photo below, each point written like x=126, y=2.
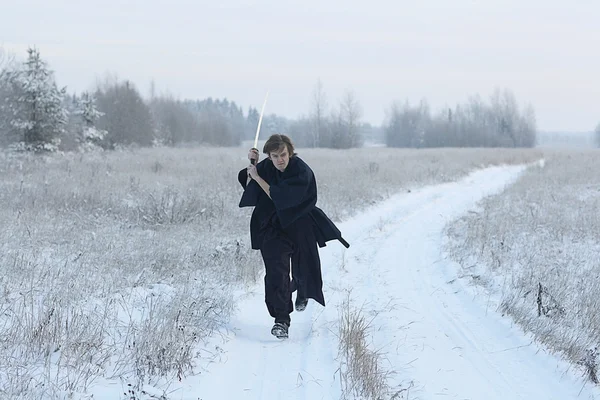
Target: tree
x=597, y=134
x=298, y=129
x=6, y=65
x=176, y=123
x=221, y=122
x=272, y=124
x=317, y=115
x=125, y=116
x=346, y=129
x=442, y=130
x=394, y=136
x=251, y=123
x=406, y=127
x=39, y=118
x=89, y=136
x=237, y=122
x=527, y=127
x=6, y=61
x=474, y=124
x=513, y=128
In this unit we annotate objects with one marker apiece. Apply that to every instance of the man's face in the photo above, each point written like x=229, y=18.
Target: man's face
x=280, y=158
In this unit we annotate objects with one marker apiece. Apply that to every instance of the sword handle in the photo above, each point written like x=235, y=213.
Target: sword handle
x=253, y=160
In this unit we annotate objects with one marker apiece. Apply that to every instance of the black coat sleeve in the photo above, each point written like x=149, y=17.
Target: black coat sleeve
x=243, y=177
x=292, y=190
x=252, y=190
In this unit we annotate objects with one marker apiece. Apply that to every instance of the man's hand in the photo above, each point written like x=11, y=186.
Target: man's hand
x=253, y=155
x=252, y=172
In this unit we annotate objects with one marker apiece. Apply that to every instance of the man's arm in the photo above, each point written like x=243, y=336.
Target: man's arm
x=253, y=172
x=264, y=185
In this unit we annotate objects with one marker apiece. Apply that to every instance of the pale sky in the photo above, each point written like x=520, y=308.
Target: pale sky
x=546, y=51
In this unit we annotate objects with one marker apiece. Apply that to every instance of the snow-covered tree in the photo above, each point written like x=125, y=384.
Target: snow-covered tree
x=175, y=121
x=90, y=137
x=318, y=117
x=38, y=115
x=346, y=128
x=406, y=125
x=127, y=119
x=6, y=66
x=597, y=132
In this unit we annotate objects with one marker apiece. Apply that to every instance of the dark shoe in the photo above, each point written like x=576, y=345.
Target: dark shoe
x=300, y=304
x=280, y=330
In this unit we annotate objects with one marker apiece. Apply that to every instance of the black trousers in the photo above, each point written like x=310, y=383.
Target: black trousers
x=293, y=246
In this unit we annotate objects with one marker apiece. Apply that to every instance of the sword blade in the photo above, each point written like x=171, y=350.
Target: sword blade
x=262, y=111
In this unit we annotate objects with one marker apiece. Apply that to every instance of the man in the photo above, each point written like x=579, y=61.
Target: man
x=286, y=226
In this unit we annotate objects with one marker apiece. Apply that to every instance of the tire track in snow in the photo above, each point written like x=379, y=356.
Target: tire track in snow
x=446, y=349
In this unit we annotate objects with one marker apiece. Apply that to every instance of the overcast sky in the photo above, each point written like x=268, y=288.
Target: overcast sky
x=546, y=51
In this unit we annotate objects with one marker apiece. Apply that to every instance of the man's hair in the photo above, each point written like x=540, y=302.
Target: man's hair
x=276, y=142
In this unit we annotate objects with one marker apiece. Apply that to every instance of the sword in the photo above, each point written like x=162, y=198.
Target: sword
x=262, y=111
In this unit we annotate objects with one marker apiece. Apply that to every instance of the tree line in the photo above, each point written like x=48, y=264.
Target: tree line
x=37, y=115
x=498, y=123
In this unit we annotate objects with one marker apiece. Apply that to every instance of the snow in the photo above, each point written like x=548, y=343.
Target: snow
x=435, y=336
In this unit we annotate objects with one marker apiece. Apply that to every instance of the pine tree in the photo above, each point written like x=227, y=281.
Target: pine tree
x=90, y=137
x=38, y=114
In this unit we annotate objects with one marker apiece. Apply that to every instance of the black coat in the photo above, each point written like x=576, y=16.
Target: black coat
x=293, y=195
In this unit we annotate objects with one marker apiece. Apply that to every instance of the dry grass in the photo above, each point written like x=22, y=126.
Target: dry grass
x=540, y=240
x=361, y=373
x=112, y=260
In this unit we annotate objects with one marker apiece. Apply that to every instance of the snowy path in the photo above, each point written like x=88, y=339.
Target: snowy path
x=436, y=337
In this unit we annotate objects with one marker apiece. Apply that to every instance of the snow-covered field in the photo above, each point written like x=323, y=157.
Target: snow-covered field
x=536, y=251
x=130, y=271
x=436, y=340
